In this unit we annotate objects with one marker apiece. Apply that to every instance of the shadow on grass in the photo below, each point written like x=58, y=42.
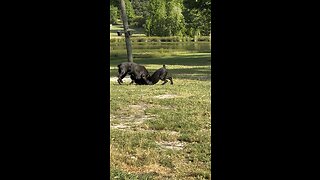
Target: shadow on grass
x=202, y=74
x=192, y=72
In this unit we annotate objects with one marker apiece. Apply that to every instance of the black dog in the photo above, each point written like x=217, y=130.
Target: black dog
x=140, y=81
x=138, y=73
x=160, y=74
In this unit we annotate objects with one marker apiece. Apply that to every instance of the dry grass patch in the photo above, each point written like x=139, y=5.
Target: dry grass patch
x=151, y=168
x=166, y=96
x=176, y=145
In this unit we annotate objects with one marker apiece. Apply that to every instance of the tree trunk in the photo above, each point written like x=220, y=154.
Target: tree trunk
x=125, y=28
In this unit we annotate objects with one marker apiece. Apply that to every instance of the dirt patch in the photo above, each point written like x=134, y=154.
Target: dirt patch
x=130, y=122
x=156, y=168
x=171, y=132
x=120, y=126
x=166, y=96
x=140, y=108
x=136, y=118
x=176, y=145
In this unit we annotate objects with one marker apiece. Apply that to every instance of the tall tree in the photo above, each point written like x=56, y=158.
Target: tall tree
x=197, y=14
x=155, y=23
x=125, y=28
x=128, y=6
x=175, y=19
x=141, y=12
x=165, y=19
x=140, y=7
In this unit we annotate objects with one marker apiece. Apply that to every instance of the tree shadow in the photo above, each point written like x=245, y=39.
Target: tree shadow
x=202, y=74
x=192, y=71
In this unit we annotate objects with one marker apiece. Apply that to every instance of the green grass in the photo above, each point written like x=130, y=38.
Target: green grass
x=162, y=131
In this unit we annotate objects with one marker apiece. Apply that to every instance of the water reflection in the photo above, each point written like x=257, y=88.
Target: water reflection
x=178, y=46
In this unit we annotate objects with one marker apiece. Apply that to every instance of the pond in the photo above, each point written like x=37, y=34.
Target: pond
x=158, y=48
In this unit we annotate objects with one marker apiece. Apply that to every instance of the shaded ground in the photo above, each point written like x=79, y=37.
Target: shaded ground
x=137, y=32
x=192, y=67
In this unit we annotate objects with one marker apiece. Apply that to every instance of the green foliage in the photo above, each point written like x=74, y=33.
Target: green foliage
x=155, y=23
x=165, y=19
x=169, y=18
x=175, y=19
x=138, y=21
x=198, y=17
x=140, y=7
x=141, y=11
x=129, y=11
x=114, y=3
x=114, y=14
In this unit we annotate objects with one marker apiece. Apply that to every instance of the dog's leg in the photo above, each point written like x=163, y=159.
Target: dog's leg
x=164, y=78
x=121, y=76
x=165, y=81
x=120, y=72
x=132, y=79
x=171, y=81
x=119, y=80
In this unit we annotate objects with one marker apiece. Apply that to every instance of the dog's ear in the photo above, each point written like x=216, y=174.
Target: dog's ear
x=164, y=66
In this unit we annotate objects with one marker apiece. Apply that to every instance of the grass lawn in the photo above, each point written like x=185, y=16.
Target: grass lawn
x=162, y=131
